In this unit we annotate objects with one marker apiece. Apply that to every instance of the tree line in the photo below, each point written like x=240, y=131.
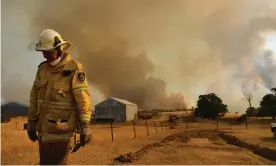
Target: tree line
x=210, y=106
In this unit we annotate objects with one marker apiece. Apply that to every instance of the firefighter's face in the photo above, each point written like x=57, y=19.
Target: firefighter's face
x=50, y=56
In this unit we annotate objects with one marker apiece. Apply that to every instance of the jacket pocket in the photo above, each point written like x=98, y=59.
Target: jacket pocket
x=58, y=121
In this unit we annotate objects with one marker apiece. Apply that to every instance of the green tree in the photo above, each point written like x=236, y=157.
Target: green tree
x=274, y=90
x=268, y=105
x=210, y=106
x=251, y=112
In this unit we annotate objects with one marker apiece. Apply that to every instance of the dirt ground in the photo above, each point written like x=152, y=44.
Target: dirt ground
x=165, y=146
x=260, y=137
x=193, y=147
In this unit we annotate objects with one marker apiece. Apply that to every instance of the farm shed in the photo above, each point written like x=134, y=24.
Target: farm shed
x=117, y=109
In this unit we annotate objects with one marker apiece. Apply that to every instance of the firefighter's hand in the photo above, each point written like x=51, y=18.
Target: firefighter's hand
x=85, y=135
x=31, y=131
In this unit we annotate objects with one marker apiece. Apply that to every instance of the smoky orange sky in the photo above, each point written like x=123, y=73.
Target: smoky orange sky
x=157, y=53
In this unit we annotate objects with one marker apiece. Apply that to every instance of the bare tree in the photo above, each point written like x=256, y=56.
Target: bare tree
x=248, y=97
x=247, y=89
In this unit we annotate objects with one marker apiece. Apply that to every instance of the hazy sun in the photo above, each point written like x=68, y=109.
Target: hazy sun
x=270, y=41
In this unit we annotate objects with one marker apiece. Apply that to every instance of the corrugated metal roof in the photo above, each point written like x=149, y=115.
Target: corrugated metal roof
x=123, y=101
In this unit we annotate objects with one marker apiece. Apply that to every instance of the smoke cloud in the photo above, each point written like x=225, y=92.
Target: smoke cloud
x=266, y=67
x=148, y=52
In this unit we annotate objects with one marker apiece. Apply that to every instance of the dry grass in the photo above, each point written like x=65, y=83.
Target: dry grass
x=164, y=116
x=18, y=149
x=257, y=136
x=231, y=115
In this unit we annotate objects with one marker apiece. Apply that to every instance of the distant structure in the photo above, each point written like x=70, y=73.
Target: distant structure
x=117, y=109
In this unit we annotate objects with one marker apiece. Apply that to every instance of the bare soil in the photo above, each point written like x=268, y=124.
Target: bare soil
x=198, y=147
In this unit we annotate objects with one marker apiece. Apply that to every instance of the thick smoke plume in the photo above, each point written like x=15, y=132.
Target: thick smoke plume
x=106, y=55
x=266, y=68
x=143, y=50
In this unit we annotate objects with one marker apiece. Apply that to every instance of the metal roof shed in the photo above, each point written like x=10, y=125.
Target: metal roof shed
x=114, y=108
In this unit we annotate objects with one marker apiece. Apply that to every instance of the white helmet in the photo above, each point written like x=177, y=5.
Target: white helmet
x=49, y=40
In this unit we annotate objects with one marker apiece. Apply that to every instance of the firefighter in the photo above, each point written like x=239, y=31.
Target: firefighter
x=59, y=101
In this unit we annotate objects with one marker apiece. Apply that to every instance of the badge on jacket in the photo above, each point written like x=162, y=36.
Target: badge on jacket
x=66, y=73
x=81, y=76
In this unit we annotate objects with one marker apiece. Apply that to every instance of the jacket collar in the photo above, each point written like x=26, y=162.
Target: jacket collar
x=65, y=59
x=59, y=66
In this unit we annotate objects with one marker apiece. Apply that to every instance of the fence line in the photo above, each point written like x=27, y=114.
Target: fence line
x=165, y=126
x=149, y=127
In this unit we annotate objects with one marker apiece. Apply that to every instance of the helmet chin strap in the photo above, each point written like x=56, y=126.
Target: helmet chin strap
x=55, y=62
x=59, y=54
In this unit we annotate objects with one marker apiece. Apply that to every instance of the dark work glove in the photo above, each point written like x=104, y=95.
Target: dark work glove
x=31, y=131
x=32, y=135
x=85, y=135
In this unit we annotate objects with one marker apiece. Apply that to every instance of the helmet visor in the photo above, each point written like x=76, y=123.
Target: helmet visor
x=32, y=44
x=36, y=46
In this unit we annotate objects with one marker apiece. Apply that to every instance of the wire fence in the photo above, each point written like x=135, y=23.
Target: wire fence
x=141, y=128
x=132, y=129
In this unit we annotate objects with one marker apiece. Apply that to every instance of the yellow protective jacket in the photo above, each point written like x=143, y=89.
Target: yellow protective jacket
x=59, y=100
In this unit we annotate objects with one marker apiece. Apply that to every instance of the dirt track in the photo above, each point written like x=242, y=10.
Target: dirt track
x=195, y=147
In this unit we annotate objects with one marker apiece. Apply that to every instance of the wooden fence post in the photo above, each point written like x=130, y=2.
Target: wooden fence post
x=246, y=123
x=155, y=127
x=75, y=138
x=217, y=124
x=147, y=127
x=134, y=129
x=111, y=127
x=16, y=124
x=166, y=126
x=161, y=126
x=25, y=126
